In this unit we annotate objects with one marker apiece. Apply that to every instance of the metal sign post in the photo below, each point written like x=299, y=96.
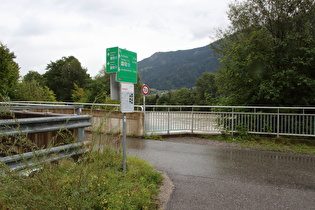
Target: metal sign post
x=122, y=64
x=145, y=91
x=126, y=105
x=124, y=142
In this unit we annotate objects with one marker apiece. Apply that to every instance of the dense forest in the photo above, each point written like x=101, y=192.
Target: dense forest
x=267, y=57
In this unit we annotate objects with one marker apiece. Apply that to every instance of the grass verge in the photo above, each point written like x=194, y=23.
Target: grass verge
x=153, y=137
x=284, y=144
x=94, y=181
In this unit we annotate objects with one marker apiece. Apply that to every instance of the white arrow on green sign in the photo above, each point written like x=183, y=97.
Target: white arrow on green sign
x=123, y=63
x=112, y=60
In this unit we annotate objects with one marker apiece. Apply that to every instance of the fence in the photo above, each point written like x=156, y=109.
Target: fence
x=297, y=121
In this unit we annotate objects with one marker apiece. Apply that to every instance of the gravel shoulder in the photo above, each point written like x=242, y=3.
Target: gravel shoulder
x=165, y=191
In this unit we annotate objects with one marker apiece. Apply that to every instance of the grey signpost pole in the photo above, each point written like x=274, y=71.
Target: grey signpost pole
x=145, y=91
x=144, y=103
x=122, y=64
x=124, y=142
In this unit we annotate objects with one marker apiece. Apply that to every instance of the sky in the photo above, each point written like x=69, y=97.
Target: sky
x=39, y=32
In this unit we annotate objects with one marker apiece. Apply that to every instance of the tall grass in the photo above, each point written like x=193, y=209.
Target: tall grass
x=93, y=180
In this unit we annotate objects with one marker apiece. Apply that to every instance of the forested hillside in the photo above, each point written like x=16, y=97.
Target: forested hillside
x=177, y=69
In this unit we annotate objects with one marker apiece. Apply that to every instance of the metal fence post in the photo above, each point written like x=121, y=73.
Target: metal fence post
x=80, y=130
x=232, y=121
x=278, y=123
x=192, y=121
x=168, y=121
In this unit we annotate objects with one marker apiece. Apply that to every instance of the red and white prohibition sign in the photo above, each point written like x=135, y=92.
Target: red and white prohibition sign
x=145, y=90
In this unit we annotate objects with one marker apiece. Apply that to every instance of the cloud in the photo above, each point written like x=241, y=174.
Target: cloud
x=42, y=31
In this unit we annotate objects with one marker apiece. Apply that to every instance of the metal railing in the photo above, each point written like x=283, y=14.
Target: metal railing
x=161, y=119
x=297, y=121
x=32, y=159
x=88, y=105
x=40, y=124
x=49, y=105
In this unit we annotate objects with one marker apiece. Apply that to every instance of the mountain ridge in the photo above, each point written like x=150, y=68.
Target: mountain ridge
x=177, y=69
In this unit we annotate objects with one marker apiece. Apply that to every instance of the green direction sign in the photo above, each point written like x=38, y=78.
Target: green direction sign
x=123, y=63
x=112, y=60
x=127, y=68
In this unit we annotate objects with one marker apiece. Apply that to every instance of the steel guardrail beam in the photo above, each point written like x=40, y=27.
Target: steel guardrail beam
x=32, y=159
x=43, y=124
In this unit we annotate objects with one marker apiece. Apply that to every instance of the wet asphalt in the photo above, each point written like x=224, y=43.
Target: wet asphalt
x=216, y=177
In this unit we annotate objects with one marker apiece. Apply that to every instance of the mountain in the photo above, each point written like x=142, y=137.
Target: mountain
x=177, y=69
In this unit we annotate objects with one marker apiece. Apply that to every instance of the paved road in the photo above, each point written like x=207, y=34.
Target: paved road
x=211, y=177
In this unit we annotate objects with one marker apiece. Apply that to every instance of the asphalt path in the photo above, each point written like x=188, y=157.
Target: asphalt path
x=217, y=177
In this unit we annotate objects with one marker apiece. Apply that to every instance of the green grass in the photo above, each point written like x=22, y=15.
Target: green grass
x=94, y=181
x=153, y=137
x=298, y=145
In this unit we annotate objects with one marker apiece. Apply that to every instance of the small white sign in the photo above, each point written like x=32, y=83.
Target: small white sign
x=126, y=97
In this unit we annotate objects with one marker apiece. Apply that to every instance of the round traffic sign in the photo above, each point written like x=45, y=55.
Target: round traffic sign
x=145, y=90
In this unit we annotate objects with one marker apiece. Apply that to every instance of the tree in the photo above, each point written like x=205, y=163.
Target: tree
x=62, y=74
x=152, y=99
x=79, y=94
x=181, y=97
x=9, y=71
x=164, y=99
x=34, y=76
x=33, y=91
x=138, y=91
x=98, y=88
x=268, y=53
x=206, y=89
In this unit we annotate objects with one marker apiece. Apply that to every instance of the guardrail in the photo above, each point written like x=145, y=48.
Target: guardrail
x=48, y=122
x=43, y=124
x=33, y=159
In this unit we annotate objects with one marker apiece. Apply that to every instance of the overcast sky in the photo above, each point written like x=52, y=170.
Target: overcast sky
x=41, y=31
